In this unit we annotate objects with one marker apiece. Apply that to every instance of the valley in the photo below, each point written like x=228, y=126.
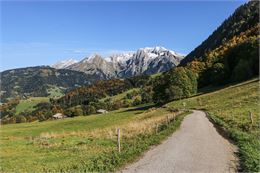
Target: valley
x=148, y=110
x=92, y=139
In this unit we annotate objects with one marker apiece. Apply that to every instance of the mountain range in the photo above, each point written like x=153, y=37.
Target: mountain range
x=69, y=74
x=145, y=61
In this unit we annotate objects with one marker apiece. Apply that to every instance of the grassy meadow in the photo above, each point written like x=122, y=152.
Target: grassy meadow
x=28, y=104
x=120, y=96
x=229, y=108
x=55, y=92
x=86, y=143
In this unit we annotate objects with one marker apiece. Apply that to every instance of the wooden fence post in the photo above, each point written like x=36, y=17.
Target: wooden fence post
x=251, y=117
x=157, y=128
x=174, y=117
x=118, y=140
x=168, y=120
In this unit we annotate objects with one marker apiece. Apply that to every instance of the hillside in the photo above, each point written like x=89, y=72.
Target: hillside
x=244, y=18
x=29, y=104
x=231, y=53
x=39, y=81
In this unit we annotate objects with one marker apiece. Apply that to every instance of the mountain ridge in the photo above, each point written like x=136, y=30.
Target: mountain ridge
x=145, y=61
x=63, y=64
x=244, y=18
x=38, y=80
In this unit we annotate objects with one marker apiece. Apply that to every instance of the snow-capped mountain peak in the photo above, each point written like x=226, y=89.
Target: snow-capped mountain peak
x=64, y=63
x=144, y=61
x=121, y=58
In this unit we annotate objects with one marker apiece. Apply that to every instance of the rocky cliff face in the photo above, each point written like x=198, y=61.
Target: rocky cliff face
x=64, y=64
x=149, y=61
x=96, y=66
x=144, y=61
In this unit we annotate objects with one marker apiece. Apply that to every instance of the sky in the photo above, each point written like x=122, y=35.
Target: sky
x=44, y=32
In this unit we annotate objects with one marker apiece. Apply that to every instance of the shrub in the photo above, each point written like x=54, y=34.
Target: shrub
x=137, y=100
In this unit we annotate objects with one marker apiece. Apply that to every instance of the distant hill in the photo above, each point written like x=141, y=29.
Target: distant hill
x=244, y=18
x=36, y=81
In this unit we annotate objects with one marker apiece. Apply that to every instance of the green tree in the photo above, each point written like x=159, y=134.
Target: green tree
x=177, y=83
x=218, y=74
x=242, y=71
x=147, y=94
x=174, y=92
x=89, y=109
x=74, y=111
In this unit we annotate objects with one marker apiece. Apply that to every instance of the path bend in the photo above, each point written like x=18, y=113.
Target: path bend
x=196, y=147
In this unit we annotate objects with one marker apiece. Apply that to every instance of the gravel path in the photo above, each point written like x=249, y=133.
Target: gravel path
x=195, y=147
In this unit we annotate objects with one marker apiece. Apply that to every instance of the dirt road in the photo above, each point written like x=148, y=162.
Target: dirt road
x=195, y=147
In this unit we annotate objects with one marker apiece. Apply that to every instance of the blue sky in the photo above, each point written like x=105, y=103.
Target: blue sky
x=40, y=33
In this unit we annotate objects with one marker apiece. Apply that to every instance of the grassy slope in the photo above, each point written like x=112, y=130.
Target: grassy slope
x=229, y=108
x=120, y=96
x=28, y=104
x=82, y=143
x=55, y=92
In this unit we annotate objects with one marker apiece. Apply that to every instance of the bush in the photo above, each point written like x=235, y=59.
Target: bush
x=137, y=100
x=20, y=119
x=88, y=109
x=74, y=111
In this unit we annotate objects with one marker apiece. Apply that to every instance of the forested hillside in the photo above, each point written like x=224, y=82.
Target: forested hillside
x=234, y=61
x=244, y=18
x=35, y=81
x=231, y=53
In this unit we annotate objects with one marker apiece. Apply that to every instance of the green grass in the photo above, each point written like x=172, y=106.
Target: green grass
x=120, y=96
x=229, y=109
x=156, y=75
x=28, y=104
x=55, y=92
x=86, y=143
